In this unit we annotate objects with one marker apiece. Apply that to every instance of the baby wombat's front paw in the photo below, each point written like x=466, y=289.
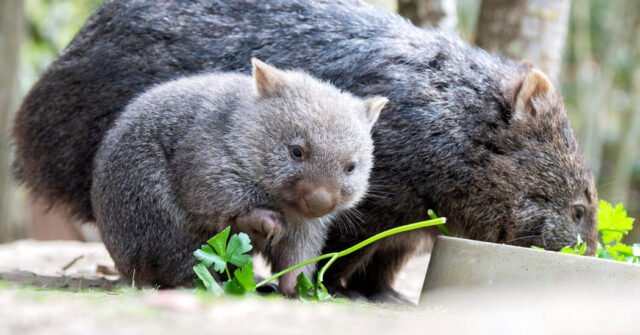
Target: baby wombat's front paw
x=265, y=227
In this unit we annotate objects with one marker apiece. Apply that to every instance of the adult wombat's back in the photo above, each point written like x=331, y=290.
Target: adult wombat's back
x=127, y=46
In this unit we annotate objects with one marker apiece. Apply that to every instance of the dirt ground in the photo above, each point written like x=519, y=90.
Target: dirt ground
x=67, y=264
x=53, y=288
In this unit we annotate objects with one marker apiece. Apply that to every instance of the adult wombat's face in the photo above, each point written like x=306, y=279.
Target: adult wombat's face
x=553, y=221
x=558, y=199
x=533, y=186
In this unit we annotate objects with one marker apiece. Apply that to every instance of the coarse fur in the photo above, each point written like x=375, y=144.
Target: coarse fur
x=454, y=137
x=194, y=155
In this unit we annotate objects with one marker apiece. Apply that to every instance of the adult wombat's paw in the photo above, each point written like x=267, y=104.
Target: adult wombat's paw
x=265, y=227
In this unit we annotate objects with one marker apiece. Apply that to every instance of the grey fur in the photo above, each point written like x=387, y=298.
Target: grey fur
x=447, y=140
x=188, y=157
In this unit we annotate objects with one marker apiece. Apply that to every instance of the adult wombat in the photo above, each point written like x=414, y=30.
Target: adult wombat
x=192, y=156
x=481, y=140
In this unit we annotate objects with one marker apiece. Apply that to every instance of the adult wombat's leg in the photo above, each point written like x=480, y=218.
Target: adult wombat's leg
x=376, y=281
x=371, y=272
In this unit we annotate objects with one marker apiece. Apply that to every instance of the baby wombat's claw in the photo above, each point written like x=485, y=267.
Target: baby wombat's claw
x=264, y=226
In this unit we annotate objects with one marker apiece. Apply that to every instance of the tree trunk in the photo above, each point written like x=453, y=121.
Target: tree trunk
x=46, y=223
x=435, y=13
x=627, y=152
x=593, y=87
x=11, y=31
x=534, y=30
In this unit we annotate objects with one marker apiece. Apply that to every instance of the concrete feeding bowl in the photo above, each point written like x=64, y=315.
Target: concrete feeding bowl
x=458, y=264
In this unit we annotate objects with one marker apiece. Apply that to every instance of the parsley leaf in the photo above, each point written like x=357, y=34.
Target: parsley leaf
x=308, y=291
x=242, y=281
x=304, y=287
x=208, y=257
x=580, y=248
x=219, y=241
x=322, y=294
x=239, y=245
x=218, y=253
x=206, y=281
x=613, y=223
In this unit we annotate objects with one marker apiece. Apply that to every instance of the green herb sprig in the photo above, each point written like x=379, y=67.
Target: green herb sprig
x=220, y=251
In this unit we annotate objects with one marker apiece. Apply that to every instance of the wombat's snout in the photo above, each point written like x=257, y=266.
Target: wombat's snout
x=316, y=199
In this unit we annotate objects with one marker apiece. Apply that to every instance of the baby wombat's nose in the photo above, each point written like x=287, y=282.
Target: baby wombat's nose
x=316, y=200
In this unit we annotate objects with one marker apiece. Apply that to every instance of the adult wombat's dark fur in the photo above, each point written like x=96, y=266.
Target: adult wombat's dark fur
x=189, y=157
x=481, y=140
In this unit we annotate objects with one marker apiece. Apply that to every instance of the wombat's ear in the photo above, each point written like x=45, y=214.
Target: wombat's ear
x=268, y=79
x=374, y=106
x=535, y=86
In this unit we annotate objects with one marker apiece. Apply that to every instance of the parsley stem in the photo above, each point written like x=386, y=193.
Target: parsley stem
x=299, y=265
x=226, y=268
x=443, y=229
x=335, y=255
x=325, y=267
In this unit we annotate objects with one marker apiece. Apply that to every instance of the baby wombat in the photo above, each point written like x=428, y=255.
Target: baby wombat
x=275, y=157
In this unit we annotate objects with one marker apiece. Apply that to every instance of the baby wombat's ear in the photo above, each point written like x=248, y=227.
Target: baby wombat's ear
x=533, y=95
x=374, y=106
x=268, y=79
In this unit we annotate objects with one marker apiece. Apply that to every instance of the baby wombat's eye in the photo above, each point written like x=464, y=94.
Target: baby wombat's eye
x=578, y=212
x=350, y=167
x=296, y=152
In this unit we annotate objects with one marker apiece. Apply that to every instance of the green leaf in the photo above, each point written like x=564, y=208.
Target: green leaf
x=206, y=280
x=304, y=287
x=209, y=259
x=199, y=285
x=537, y=248
x=322, y=294
x=613, y=223
x=242, y=281
x=233, y=287
x=239, y=245
x=580, y=248
x=219, y=241
x=244, y=275
x=568, y=250
x=620, y=252
x=219, y=251
x=604, y=254
x=622, y=249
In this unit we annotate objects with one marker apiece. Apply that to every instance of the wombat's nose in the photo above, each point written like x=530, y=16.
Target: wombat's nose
x=315, y=200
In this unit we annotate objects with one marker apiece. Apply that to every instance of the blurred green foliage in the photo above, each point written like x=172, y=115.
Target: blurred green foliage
x=51, y=24
x=601, y=85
